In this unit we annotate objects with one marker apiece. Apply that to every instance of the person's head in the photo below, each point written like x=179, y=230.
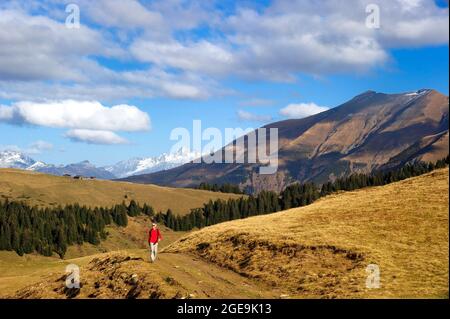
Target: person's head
x=154, y=225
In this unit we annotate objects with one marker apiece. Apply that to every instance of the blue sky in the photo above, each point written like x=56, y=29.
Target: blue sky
x=238, y=64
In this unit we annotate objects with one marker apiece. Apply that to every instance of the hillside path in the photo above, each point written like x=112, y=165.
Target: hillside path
x=206, y=280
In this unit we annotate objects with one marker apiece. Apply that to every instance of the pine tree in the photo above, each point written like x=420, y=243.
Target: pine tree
x=133, y=209
x=60, y=242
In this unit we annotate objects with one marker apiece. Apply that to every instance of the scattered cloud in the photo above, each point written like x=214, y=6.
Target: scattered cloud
x=38, y=48
x=42, y=58
x=302, y=110
x=147, y=83
x=301, y=41
x=95, y=137
x=156, y=18
x=129, y=14
x=160, y=51
x=247, y=116
x=202, y=56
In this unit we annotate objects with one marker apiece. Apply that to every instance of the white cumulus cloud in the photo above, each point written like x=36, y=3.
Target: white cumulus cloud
x=302, y=110
x=76, y=114
x=88, y=121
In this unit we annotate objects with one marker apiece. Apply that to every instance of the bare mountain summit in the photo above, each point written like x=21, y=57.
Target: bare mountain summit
x=371, y=131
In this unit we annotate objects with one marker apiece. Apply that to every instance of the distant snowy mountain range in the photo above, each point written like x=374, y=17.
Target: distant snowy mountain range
x=148, y=165
x=133, y=166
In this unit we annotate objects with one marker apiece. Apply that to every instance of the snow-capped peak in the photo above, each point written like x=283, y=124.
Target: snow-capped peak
x=15, y=159
x=37, y=166
x=148, y=165
x=418, y=93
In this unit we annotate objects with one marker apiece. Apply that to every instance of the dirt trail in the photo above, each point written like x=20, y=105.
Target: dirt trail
x=206, y=280
x=201, y=278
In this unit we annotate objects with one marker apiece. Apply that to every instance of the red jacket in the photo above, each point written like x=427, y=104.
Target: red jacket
x=154, y=236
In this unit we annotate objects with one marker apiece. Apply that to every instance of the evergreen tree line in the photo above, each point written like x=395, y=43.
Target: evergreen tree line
x=295, y=195
x=223, y=188
x=27, y=229
x=380, y=178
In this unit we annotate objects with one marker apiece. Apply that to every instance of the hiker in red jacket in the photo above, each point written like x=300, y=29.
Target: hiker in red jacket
x=154, y=236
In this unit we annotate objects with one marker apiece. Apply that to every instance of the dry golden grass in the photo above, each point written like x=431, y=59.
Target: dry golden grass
x=322, y=250
x=48, y=190
x=17, y=272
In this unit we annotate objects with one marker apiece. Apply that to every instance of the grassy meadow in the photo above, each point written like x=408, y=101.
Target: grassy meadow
x=47, y=190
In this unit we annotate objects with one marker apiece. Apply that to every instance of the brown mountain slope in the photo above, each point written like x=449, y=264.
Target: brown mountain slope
x=368, y=132
x=428, y=149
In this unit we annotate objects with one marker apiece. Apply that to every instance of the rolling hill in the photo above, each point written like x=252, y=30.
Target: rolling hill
x=317, y=251
x=371, y=131
x=322, y=250
x=48, y=190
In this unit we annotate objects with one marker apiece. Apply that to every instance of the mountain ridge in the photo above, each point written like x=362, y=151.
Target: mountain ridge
x=19, y=160
x=142, y=165
x=360, y=135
